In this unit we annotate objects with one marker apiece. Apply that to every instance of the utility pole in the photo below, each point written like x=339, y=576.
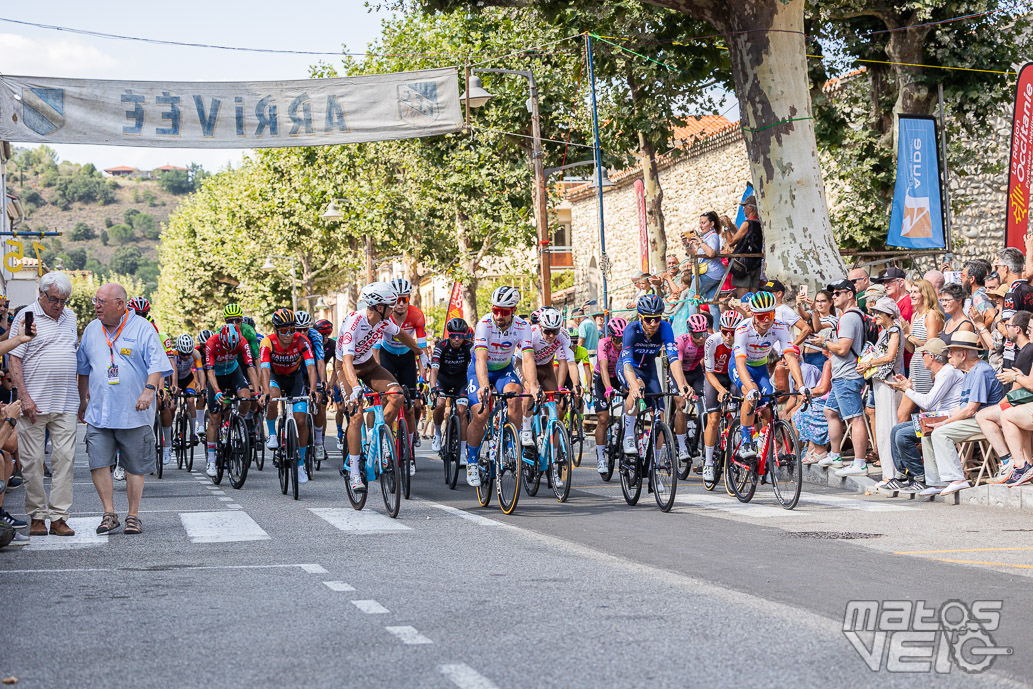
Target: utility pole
x=369, y=259
x=541, y=200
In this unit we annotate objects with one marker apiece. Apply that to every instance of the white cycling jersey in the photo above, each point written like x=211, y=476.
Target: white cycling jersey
x=500, y=344
x=545, y=352
x=755, y=347
x=357, y=337
x=716, y=355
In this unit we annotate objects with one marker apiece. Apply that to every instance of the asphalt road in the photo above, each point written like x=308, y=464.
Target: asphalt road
x=249, y=588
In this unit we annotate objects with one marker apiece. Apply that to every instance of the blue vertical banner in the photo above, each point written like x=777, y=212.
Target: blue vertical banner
x=917, y=218
x=740, y=216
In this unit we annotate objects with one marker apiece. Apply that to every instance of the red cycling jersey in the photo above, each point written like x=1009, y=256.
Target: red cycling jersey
x=222, y=361
x=414, y=325
x=285, y=361
x=716, y=354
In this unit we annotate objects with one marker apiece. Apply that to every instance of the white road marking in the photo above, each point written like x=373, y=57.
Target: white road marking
x=853, y=503
x=234, y=506
x=226, y=498
x=338, y=586
x=314, y=569
x=218, y=492
x=86, y=536
x=463, y=514
x=370, y=607
x=408, y=635
x=222, y=527
x=355, y=521
x=305, y=567
x=731, y=505
x=465, y=677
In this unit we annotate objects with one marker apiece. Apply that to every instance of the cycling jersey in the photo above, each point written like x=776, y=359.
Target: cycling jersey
x=688, y=352
x=224, y=362
x=285, y=361
x=186, y=367
x=500, y=344
x=414, y=325
x=452, y=362
x=716, y=354
x=357, y=336
x=581, y=355
x=329, y=349
x=641, y=352
x=248, y=333
x=168, y=343
x=754, y=347
x=545, y=352
x=607, y=354
x=315, y=342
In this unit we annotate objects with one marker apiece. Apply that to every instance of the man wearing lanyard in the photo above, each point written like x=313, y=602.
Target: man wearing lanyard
x=121, y=360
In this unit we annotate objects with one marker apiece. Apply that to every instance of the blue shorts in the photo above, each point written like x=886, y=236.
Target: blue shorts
x=497, y=379
x=649, y=378
x=845, y=397
x=759, y=376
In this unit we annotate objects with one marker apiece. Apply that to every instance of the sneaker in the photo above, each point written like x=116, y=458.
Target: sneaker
x=828, y=459
x=1020, y=475
x=273, y=443
x=931, y=490
x=19, y=539
x=302, y=474
x=630, y=446
x=48, y=474
x=14, y=482
x=708, y=473
x=210, y=470
x=357, y=485
x=837, y=463
x=890, y=486
x=853, y=470
x=435, y=445
x=119, y=474
x=473, y=475
x=1003, y=475
x=955, y=486
x=913, y=486
x=526, y=438
x=9, y=519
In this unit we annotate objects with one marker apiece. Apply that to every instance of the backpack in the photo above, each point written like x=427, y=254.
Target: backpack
x=870, y=329
x=752, y=243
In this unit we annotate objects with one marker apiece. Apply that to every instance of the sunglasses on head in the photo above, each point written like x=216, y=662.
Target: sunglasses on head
x=650, y=320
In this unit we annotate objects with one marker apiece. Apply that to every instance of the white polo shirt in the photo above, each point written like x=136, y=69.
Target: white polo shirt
x=48, y=360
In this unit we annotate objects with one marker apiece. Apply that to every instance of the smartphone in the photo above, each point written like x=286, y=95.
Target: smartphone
x=29, y=315
x=803, y=292
x=14, y=395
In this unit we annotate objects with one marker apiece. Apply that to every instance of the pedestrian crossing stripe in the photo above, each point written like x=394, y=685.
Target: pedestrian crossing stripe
x=358, y=521
x=221, y=527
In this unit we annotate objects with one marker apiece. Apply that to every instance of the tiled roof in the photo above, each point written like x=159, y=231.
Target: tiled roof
x=120, y=168
x=699, y=128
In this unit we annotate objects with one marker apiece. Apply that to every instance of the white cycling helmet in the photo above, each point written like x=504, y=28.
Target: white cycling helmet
x=403, y=287
x=302, y=319
x=507, y=297
x=378, y=294
x=185, y=344
x=550, y=318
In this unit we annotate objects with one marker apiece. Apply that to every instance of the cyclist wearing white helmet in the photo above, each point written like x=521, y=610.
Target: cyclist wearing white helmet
x=189, y=370
x=495, y=337
x=717, y=359
x=359, y=333
x=550, y=342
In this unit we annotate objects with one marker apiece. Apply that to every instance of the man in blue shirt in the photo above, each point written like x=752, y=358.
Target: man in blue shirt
x=980, y=388
x=120, y=362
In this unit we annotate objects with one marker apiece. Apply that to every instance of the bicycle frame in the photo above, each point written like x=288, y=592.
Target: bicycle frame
x=552, y=418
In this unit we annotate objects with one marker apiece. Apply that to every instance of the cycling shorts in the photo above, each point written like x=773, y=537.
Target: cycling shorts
x=497, y=379
x=598, y=389
x=185, y=382
x=229, y=384
x=547, y=377
x=710, y=400
x=694, y=378
x=375, y=376
x=759, y=375
x=290, y=385
x=651, y=381
x=402, y=367
x=451, y=385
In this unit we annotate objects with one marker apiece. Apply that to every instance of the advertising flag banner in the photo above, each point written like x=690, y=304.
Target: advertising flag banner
x=740, y=217
x=643, y=229
x=1021, y=159
x=455, y=304
x=916, y=221
x=247, y=114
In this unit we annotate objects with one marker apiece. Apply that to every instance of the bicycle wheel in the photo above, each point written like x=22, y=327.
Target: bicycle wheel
x=531, y=474
x=740, y=480
x=451, y=454
x=310, y=447
x=576, y=436
x=239, y=452
x=663, y=466
x=159, y=445
x=785, y=466
x=259, y=447
x=692, y=442
x=356, y=498
x=614, y=433
x=560, y=467
x=486, y=468
x=508, y=469
x=403, y=450
x=631, y=474
x=390, y=472
x=280, y=460
x=291, y=454
x=188, y=461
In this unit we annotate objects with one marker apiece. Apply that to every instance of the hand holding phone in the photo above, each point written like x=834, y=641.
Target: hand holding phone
x=28, y=328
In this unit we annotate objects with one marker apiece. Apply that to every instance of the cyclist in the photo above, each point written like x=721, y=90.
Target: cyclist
x=402, y=362
x=280, y=358
x=249, y=322
x=188, y=366
x=164, y=399
x=224, y=371
x=690, y=352
x=359, y=332
x=448, y=365
x=234, y=316
x=550, y=343
x=496, y=335
x=325, y=328
x=143, y=309
x=202, y=379
x=717, y=355
x=602, y=383
x=754, y=339
x=636, y=368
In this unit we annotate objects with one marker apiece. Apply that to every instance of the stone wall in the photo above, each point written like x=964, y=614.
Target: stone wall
x=980, y=223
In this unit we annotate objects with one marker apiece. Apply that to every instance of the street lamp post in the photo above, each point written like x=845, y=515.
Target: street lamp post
x=269, y=267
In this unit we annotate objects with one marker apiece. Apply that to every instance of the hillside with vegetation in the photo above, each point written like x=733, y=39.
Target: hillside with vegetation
x=109, y=225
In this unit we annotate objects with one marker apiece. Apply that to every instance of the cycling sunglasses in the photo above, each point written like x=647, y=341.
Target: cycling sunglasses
x=502, y=311
x=286, y=330
x=726, y=331
x=650, y=320
x=764, y=317
x=402, y=300
x=550, y=331
x=235, y=321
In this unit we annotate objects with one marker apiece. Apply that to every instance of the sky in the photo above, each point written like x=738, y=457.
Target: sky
x=322, y=25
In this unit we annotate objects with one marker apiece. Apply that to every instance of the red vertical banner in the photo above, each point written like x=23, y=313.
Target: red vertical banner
x=1020, y=165
x=455, y=305
x=643, y=230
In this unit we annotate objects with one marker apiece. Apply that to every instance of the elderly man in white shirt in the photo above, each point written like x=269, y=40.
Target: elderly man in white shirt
x=43, y=370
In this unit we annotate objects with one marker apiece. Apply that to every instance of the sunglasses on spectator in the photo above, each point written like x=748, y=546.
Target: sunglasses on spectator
x=501, y=311
x=841, y=291
x=857, y=280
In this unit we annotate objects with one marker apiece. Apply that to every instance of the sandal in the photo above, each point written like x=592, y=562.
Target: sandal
x=108, y=523
x=133, y=526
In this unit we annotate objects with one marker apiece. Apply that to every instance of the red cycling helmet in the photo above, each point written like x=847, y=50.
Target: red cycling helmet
x=325, y=327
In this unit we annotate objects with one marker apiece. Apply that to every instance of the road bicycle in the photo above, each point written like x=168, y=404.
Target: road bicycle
x=656, y=460
x=727, y=414
x=614, y=433
x=451, y=442
x=552, y=455
x=182, y=430
x=287, y=455
x=232, y=444
x=403, y=445
x=500, y=470
x=694, y=435
x=778, y=456
x=258, y=438
x=159, y=440
x=574, y=419
x=379, y=455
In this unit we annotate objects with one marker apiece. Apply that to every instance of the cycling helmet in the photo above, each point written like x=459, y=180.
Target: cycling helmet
x=378, y=294
x=325, y=327
x=402, y=287
x=249, y=321
x=140, y=305
x=730, y=320
x=232, y=311
x=550, y=318
x=535, y=316
x=507, y=297
x=457, y=326
x=185, y=344
x=302, y=319
x=616, y=327
x=283, y=318
x=204, y=336
x=698, y=323
x=762, y=302
x=229, y=338
x=650, y=305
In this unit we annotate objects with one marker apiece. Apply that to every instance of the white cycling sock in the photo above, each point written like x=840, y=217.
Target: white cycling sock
x=629, y=426
x=526, y=425
x=319, y=435
x=166, y=434
x=600, y=452
x=198, y=420
x=683, y=440
x=437, y=432
x=353, y=464
x=708, y=460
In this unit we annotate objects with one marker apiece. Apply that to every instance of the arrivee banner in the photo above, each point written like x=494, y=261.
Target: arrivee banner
x=1017, y=221
x=251, y=114
x=916, y=221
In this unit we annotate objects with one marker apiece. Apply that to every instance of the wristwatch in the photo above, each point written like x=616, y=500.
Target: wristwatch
x=150, y=387
x=11, y=421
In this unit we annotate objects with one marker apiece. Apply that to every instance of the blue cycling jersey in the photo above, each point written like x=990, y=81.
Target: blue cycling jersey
x=315, y=338
x=641, y=352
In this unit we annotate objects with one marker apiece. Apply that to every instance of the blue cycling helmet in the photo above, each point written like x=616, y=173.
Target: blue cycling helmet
x=650, y=305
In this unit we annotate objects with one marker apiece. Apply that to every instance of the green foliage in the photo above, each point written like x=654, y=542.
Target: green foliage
x=108, y=222
x=104, y=237
x=82, y=232
x=126, y=260
x=84, y=289
x=182, y=181
x=122, y=234
x=128, y=216
x=81, y=187
x=32, y=200
x=75, y=259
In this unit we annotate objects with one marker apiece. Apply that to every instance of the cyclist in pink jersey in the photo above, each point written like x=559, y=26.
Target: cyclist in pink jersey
x=605, y=374
x=690, y=352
